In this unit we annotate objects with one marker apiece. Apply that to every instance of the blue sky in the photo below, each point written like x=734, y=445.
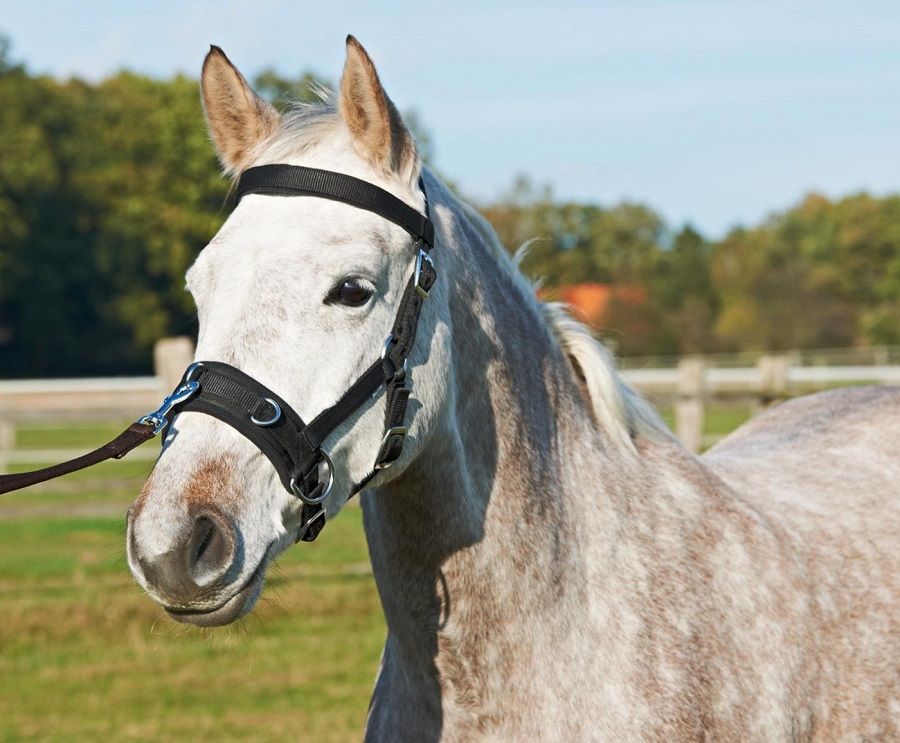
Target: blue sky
x=715, y=113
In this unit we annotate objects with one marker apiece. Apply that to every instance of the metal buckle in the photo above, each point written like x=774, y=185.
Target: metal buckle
x=276, y=416
x=395, y=431
x=387, y=344
x=417, y=275
x=326, y=460
x=159, y=418
x=308, y=526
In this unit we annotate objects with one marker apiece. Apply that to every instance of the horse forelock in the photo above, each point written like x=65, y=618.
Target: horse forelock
x=307, y=125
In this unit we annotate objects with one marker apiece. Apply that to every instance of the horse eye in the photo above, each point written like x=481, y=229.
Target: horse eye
x=350, y=292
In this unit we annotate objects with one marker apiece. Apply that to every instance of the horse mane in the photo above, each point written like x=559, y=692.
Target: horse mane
x=618, y=410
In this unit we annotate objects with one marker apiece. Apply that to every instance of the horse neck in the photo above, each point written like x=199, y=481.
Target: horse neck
x=485, y=530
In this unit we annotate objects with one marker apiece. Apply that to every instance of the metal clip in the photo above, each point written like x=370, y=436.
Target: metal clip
x=159, y=418
x=193, y=369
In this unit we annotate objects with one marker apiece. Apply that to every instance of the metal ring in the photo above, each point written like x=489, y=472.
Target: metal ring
x=276, y=416
x=315, y=501
x=191, y=369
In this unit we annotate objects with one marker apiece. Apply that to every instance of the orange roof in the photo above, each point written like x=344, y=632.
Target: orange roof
x=590, y=301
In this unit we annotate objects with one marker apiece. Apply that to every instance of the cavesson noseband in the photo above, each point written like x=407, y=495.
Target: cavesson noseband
x=293, y=447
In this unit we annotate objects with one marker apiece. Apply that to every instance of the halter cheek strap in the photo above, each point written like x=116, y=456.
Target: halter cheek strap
x=224, y=392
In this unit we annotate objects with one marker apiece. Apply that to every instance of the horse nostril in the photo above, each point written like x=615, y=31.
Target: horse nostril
x=202, y=555
x=210, y=549
x=204, y=531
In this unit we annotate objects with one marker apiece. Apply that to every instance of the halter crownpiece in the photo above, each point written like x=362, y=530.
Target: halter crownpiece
x=217, y=389
x=293, y=180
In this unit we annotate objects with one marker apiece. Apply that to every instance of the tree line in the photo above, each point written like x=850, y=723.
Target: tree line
x=109, y=190
x=821, y=274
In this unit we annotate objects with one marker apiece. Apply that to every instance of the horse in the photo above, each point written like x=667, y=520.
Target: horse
x=552, y=564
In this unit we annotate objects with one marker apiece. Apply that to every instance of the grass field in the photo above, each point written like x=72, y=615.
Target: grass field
x=85, y=656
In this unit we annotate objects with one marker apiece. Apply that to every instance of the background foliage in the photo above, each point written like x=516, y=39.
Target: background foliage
x=108, y=191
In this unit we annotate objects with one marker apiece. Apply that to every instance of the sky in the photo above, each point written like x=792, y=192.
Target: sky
x=713, y=113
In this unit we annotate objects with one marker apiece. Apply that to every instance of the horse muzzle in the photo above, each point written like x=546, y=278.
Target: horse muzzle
x=194, y=568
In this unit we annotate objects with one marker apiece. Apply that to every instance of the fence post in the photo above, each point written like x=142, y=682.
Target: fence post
x=773, y=378
x=689, y=408
x=7, y=443
x=171, y=356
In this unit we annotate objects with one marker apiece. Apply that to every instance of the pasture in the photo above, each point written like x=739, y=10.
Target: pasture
x=85, y=656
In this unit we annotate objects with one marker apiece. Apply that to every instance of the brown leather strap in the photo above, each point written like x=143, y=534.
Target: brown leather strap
x=135, y=435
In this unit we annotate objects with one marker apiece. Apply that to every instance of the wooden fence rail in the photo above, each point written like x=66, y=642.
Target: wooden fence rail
x=688, y=388
x=67, y=401
x=693, y=384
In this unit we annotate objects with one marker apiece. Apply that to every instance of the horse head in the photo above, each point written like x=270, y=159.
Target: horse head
x=299, y=294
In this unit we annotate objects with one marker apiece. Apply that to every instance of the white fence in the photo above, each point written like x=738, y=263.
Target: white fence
x=746, y=381
x=58, y=402
x=688, y=385
x=695, y=382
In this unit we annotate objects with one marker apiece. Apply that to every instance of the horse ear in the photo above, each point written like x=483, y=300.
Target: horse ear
x=371, y=117
x=238, y=119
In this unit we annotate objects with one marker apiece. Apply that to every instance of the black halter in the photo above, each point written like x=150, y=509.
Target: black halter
x=293, y=447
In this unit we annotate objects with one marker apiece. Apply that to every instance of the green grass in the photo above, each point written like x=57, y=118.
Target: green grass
x=66, y=434
x=718, y=421
x=84, y=655
x=115, y=482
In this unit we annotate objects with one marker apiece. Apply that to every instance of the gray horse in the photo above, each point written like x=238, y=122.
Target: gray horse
x=552, y=564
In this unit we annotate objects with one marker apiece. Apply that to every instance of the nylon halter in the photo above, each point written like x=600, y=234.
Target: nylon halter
x=293, y=447
x=220, y=390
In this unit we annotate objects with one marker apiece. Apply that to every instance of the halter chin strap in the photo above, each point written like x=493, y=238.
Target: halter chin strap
x=293, y=447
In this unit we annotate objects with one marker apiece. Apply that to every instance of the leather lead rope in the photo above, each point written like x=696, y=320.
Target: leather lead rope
x=133, y=436
x=293, y=447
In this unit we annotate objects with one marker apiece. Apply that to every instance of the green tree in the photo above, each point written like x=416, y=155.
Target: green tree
x=6, y=63
x=773, y=297
x=109, y=192
x=683, y=289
